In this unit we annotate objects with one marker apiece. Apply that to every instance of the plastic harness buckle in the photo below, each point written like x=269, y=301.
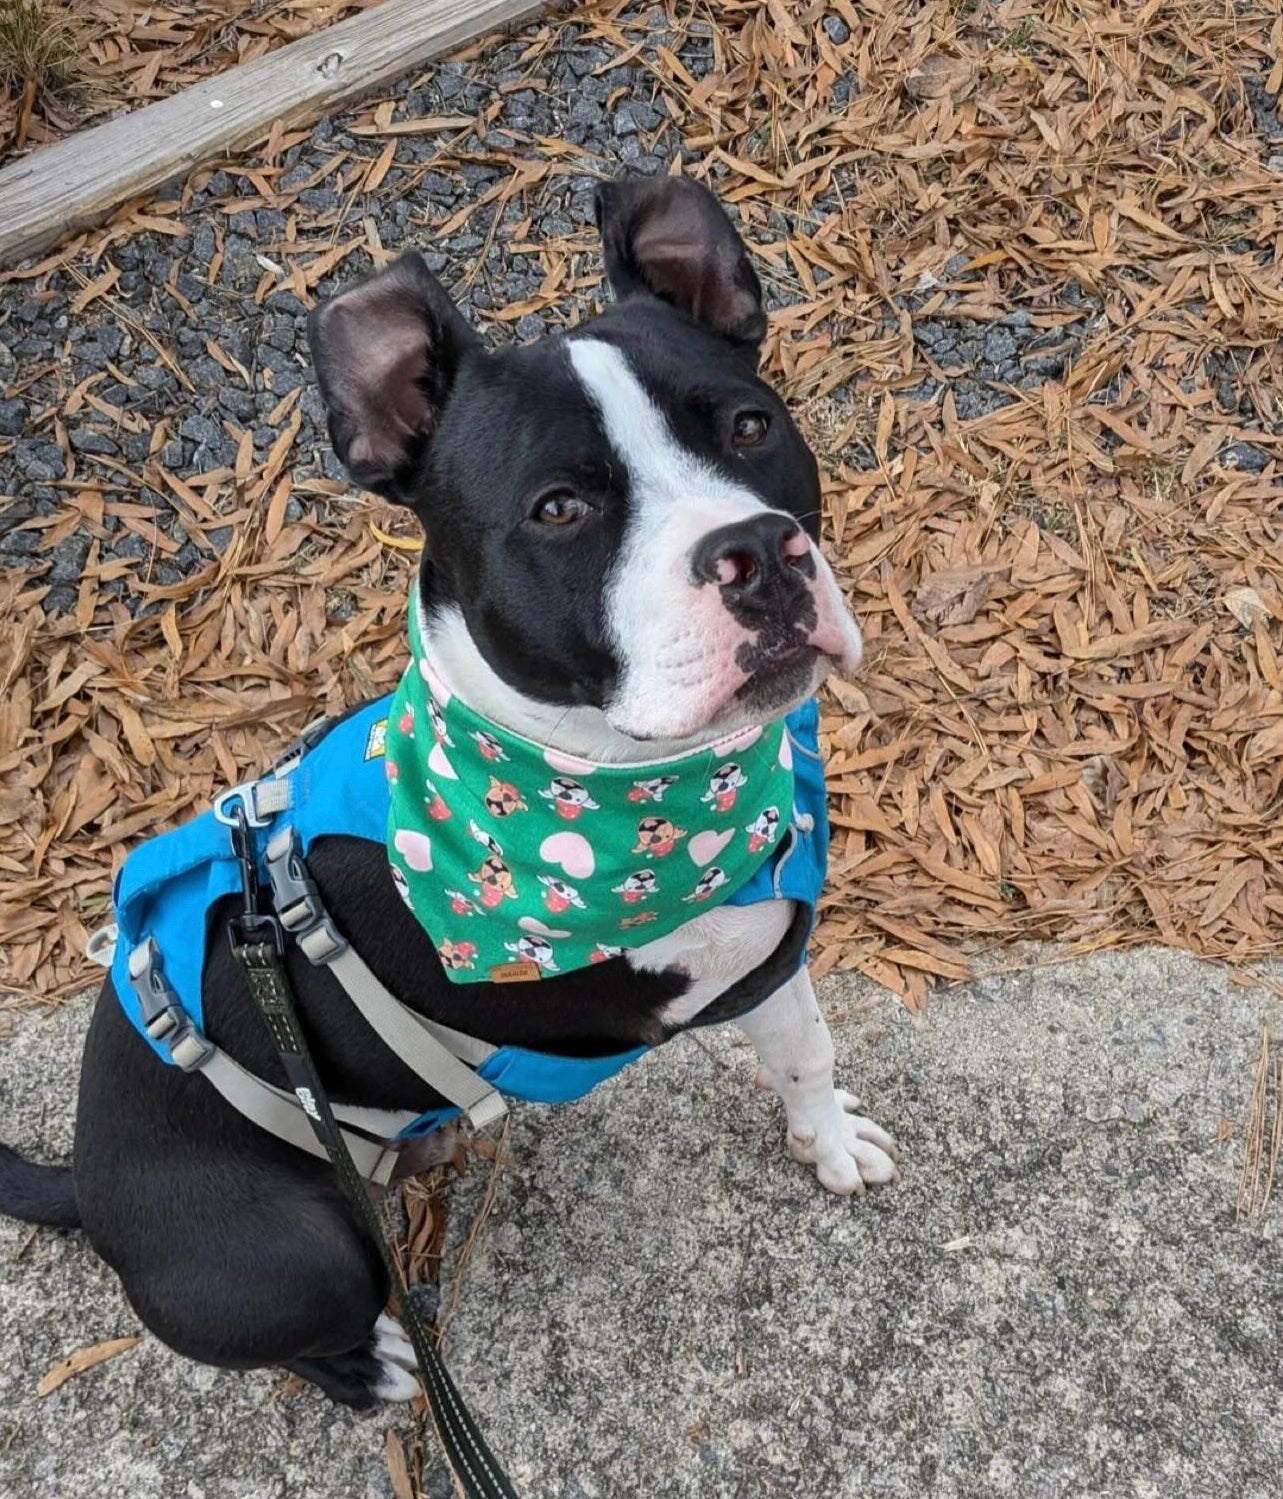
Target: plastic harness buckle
x=298, y=902
x=164, y=1018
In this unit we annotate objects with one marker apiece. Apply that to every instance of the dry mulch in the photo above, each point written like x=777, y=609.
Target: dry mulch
x=1070, y=725
x=135, y=52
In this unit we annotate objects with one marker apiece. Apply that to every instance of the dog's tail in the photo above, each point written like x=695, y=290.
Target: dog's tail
x=37, y=1194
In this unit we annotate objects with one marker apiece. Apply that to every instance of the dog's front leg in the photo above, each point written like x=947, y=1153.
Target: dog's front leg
x=793, y=1044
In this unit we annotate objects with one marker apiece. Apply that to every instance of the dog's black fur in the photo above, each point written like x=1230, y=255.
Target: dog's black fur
x=234, y=1248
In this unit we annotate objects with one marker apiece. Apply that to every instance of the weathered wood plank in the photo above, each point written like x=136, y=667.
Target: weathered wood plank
x=79, y=181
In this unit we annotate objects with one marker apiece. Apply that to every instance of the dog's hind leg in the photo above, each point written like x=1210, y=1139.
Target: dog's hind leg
x=795, y=1048
x=234, y=1248
x=277, y=1276
x=382, y=1368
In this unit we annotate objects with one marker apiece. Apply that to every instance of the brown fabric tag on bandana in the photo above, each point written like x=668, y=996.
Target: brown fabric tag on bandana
x=514, y=973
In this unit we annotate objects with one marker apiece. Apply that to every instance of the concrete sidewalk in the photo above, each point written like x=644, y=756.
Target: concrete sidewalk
x=1054, y=1303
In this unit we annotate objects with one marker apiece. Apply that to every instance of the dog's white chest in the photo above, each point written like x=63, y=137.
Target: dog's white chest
x=717, y=949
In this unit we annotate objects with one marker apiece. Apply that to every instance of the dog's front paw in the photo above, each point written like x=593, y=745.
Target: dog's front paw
x=849, y=1152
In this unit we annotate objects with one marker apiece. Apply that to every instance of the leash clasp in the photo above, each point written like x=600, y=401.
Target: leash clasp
x=253, y=924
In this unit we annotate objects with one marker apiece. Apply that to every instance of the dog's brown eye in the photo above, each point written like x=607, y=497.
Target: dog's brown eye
x=750, y=428
x=560, y=508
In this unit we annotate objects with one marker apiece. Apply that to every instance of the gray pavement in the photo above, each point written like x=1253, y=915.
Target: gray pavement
x=1055, y=1302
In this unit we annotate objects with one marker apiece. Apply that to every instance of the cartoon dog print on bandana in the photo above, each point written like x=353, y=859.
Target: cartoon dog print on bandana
x=533, y=950
x=438, y=723
x=493, y=878
x=402, y=886
x=637, y=886
x=488, y=747
x=569, y=798
x=761, y=832
x=651, y=790
x=438, y=811
x=724, y=787
x=558, y=896
x=502, y=799
x=712, y=879
x=458, y=954
x=656, y=837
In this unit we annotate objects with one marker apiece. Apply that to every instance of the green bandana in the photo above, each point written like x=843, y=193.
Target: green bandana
x=521, y=861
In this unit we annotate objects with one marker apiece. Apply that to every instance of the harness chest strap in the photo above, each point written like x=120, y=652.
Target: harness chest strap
x=273, y=1109
x=439, y=1055
x=442, y=1057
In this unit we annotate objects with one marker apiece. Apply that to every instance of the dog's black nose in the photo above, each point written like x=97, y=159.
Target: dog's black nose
x=754, y=561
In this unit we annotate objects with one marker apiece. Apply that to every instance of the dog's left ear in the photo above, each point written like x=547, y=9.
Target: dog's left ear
x=386, y=352
x=669, y=236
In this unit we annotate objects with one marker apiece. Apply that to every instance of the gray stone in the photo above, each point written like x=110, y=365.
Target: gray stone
x=40, y=460
x=239, y=402
x=61, y=600
x=1245, y=455
x=68, y=560
x=13, y=418
x=999, y=345
x=287, y=302
x=204, y=243
x=323, y=198
x=289, y=378
x=87, y=440
x=201, y=430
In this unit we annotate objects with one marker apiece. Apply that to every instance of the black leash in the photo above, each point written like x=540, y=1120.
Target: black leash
x=258, y=942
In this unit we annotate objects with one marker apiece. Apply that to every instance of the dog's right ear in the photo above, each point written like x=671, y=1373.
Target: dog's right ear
x=386, y=353
x=669, y=236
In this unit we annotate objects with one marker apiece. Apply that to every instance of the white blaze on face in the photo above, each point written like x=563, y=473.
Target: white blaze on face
x=676, y=639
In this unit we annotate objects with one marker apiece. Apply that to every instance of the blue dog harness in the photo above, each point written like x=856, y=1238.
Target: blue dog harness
x=332, y=783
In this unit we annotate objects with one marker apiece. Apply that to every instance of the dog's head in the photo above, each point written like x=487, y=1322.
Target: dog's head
x=622, y=517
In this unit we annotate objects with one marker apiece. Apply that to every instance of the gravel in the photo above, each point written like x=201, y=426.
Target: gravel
x=173, y=291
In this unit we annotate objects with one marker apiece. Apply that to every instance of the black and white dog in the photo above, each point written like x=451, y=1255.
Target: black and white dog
x=622, y=565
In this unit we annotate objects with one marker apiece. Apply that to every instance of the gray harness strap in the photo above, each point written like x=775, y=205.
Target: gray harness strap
x=432, y=1051
x=283, y=1114
x=274, y=1109
x=415, y=1044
